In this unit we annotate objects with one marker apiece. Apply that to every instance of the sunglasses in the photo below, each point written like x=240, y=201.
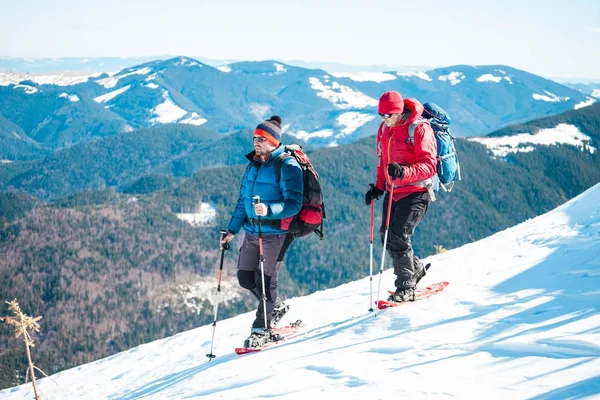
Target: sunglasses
x=259, y=139
x=386, y=116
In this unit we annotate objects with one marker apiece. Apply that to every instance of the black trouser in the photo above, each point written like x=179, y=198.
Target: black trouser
x=406, y=214
x=249, y=273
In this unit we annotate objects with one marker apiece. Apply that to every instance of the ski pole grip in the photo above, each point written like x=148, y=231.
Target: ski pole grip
x=256, y=199
x=223, y=234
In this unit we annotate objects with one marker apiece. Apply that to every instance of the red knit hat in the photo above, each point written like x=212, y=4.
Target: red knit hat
x=391, y=103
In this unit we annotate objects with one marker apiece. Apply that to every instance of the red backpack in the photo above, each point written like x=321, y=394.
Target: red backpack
x=310, y=217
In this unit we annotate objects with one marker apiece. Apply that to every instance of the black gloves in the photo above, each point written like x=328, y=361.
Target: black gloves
x=373, y=193
x=395, y=171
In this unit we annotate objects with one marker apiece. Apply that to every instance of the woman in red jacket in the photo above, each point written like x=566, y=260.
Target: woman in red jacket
x=405, y=168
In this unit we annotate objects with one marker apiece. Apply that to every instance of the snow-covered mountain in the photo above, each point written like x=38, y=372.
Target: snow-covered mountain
x=318, y=107
x=520, y=319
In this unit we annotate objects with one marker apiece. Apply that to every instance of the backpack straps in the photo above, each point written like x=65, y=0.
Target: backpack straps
x=278, y=161
x=413, y=127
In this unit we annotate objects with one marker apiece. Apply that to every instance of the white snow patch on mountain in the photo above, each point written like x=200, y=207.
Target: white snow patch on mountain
x=205, y=216
x=551, y=97
x=453, y=77
x=341, y=96
x=71, y=97
x=112, y=81
x=280, y=68
x=525, y=142
x=152, y=85
x=167, y=112
x=111, y=95
x=194, y=119
x=60, y=79
x=260, y=110
x=224, y=68
x=418, y=74
x=195, y=294
x=586, y=103
x=365, y=76
x=353, y=120
x=5, y=161
x=489, y=78
x=596, y=93
x=524, y=324
x=304, y=135
x=187, y=62
x=28, y=88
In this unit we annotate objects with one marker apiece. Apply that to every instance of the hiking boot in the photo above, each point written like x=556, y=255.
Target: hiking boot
x=401, y=295
x=280, y=310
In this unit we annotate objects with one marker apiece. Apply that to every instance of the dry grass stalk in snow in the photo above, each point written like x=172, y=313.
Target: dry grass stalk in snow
x=23, y=324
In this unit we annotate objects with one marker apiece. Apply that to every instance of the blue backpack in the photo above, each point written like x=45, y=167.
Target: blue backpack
x=448, y=167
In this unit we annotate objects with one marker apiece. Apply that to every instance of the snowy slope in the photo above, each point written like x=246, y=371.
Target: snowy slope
x=519, y=320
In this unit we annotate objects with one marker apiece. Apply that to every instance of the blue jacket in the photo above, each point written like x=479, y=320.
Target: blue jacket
x=283, y=198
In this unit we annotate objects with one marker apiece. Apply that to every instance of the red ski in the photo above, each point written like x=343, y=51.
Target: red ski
x=284, y=331
x=421, y=294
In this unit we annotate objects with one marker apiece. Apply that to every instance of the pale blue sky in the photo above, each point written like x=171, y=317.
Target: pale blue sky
x=547, y=37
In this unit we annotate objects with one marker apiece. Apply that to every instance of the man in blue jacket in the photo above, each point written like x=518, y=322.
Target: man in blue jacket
x=279, y=199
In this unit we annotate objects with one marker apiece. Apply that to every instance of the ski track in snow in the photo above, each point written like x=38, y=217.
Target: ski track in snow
x=520, y=319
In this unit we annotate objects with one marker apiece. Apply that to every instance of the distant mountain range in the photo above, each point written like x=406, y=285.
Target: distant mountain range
x=42, y=113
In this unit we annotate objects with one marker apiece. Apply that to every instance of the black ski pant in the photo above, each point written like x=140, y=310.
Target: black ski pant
x=249, y=272
x=406, y=214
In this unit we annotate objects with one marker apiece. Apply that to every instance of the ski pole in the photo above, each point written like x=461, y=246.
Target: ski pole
x=371, y=258
x=385, y=238
x=223, y=248
x=256, y=200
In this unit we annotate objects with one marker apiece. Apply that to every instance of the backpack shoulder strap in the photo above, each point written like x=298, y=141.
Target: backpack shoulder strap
x=278, y=161
x=413, y=127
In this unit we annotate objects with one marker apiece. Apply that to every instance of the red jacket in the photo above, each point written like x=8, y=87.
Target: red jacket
x=418, y=159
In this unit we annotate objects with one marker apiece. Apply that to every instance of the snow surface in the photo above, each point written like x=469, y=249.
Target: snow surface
x=586, y=103
x=525, y=142
x=5, y=161
x=205, y=216
x=167, y=111
x=224, y=68
x=28, y=88
x=60, y=79
x=596, y=93
x=152, y=85
x=260, y=110
x=453, y=77
x=493, y=78
x=194, y=119
x=519, y=320
x=111, y=95
x=193, y=294
x=341, y=96
x=353, y=120
x=112, y=81
x=280, y=68
x=187, y=62
x=365, y=76
x=72, y=97
x=418, y=74
x=550, y=97
x=304, y=135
